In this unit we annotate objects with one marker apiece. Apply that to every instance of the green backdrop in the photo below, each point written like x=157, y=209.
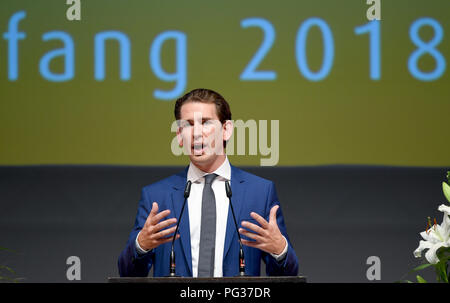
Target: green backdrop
x=345, y=118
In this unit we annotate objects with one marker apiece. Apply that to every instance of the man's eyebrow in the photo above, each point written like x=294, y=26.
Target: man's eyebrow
x=203, y=119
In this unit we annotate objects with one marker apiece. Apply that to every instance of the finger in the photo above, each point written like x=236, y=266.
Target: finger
x=160, y=216
x=273, y=213
x=250, y=243
x=259, y=219
x=164, y=224
x=251, y=235
x=253, y=227
x=164, y=233
x=152, y=213
x=167, y=240
x=155, y=208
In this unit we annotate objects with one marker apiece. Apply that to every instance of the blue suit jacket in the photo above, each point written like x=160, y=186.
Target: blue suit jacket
x=250, y=193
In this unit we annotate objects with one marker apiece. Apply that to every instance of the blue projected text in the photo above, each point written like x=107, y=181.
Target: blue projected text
x=178, y=78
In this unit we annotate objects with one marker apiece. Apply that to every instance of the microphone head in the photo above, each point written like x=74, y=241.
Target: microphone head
x=187, y=189
x=228, y=189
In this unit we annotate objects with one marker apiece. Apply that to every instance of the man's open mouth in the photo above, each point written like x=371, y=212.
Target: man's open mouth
x=197, y=148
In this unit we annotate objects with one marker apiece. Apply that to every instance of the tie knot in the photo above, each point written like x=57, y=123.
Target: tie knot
x=210, y=178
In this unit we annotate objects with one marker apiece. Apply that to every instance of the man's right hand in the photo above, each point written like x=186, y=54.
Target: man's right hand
x=152, y=235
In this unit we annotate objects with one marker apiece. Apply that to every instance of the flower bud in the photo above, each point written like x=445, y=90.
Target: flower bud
x=446, y=190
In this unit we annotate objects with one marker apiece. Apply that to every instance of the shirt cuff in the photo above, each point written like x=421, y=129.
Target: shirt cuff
x=283, y=253
x=139, y=249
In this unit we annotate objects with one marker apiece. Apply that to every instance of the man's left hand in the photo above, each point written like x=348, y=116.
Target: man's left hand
x=267, y=237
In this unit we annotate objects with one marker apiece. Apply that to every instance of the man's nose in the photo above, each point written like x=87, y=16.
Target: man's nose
x=198, y=129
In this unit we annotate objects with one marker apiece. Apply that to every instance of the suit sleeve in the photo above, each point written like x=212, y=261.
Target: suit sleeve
x=131, y=263
x=289, y=265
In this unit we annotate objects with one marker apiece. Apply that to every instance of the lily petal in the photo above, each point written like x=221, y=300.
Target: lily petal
x=431, y=256
x=422, y=246
x=445, y=228
x=425, y=236
x=445, y=221
x=430, y=236
x=444, y=208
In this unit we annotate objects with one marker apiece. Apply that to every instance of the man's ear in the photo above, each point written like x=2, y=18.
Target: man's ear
x=227, y=130
x=179, y=137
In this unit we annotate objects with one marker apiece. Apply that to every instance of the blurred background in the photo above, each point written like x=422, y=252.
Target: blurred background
x=86, y=110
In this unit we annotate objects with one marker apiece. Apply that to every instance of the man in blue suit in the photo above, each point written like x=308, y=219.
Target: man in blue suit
x=207, y=243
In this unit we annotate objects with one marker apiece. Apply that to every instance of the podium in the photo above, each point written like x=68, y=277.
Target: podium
x=225, y=280
x=236, y=289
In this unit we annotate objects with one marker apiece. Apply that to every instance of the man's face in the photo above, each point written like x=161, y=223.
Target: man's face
x=201, y=133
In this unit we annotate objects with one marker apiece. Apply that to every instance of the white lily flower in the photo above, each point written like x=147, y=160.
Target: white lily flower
x=435, y=237
x=445, y=209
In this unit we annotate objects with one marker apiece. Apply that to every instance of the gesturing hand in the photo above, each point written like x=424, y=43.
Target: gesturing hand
x=267, y=237
x=152, y=235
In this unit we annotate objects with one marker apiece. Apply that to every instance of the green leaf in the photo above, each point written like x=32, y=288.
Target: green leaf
x=7, y=279
x=448, y=176
x=441, y=272
x=446, y=190
x=7, y=268
x=423, y=266
x=443, y=254
x=420, y=279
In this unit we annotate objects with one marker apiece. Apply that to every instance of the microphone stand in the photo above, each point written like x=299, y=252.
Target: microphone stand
x=187, y=191
x=241, y=250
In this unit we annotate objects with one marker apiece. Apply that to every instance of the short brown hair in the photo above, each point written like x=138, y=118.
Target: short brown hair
x=206, y=96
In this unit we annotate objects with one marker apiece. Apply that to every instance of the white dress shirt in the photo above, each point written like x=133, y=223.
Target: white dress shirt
x=196, y=176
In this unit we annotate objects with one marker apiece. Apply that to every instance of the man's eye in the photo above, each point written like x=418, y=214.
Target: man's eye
x=186, y=125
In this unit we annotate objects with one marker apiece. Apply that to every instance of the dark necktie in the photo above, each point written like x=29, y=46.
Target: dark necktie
x=207, y=230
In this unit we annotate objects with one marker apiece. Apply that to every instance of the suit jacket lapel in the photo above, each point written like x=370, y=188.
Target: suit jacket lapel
x=184, y=229
x=237, y=199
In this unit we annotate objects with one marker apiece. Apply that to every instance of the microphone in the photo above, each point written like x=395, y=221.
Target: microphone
x=187, y=191
x=241, y=250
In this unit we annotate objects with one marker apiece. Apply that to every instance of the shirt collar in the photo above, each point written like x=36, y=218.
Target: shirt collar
x=223, y=171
